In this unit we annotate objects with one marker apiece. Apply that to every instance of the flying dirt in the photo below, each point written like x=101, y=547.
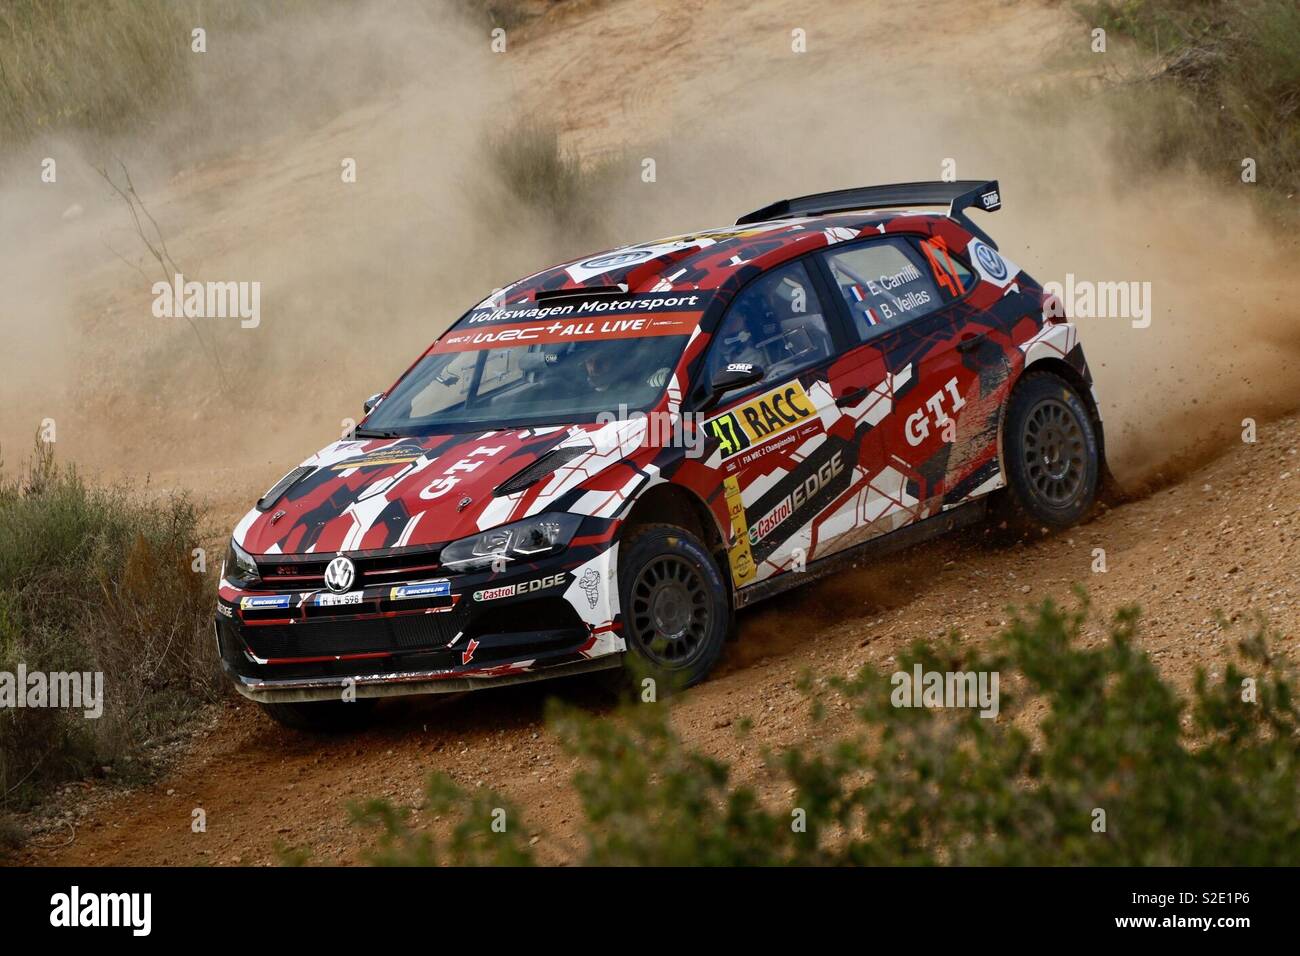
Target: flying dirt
x=358, y=273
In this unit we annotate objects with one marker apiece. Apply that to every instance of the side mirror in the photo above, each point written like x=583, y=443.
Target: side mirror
x=729, y=378
x=369, y=404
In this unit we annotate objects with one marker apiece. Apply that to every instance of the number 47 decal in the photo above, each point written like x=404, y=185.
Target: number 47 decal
x=945, y=273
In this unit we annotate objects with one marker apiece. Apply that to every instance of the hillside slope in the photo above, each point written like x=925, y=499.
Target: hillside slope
x=358, y=278
x=1225, y=540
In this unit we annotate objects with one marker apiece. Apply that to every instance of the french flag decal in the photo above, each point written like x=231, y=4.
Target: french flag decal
x=859, y=295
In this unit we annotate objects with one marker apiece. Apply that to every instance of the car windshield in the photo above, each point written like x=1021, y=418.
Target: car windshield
x=547, y=383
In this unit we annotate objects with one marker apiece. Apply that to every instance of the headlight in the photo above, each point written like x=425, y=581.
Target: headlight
x=240, y=569
x=524, y=540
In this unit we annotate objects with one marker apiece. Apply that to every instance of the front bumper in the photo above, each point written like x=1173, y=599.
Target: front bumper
x=403, y=684
x=436, y=635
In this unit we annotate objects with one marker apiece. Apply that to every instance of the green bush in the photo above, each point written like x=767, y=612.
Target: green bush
x=1081, y=731
x=1230, y=84
x=542, y=179
x=100, y=580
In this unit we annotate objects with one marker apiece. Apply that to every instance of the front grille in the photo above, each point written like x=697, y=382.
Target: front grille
x=307, y=572
x=331, y=638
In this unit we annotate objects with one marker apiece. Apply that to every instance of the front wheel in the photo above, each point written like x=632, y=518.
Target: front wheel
x=674, y=604
x=1051, y=454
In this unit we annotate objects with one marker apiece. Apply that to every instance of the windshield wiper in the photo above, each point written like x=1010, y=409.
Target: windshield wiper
x=370, y=433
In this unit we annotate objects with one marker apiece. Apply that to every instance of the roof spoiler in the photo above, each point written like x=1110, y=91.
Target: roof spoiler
x=958, y=196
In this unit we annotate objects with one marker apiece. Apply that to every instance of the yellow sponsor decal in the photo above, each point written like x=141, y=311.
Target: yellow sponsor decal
x=761, y=417
x=383, y=456
x=740, y=555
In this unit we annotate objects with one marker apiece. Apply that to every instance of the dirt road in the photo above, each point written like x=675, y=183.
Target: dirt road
x=734, y=118
x=1226, y=539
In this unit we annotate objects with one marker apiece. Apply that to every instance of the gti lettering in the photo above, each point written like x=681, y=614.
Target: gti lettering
x=917, y=426
x=440, y=486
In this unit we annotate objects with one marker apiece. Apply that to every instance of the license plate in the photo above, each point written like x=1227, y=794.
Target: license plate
x=335, y=600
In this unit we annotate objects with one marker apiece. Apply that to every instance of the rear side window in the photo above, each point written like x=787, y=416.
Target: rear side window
x=950, y=274
x=887, y=282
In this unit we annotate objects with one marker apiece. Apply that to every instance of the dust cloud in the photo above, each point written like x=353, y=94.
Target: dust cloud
x=357, y=278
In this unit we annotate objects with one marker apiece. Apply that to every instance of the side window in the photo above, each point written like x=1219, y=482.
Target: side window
x=776, y=323
x=887, y=282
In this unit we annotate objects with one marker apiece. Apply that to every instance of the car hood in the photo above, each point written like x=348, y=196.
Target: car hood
x=375, y=494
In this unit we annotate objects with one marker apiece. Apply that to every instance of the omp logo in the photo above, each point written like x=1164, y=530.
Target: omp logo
x=991, y=199
x=74, y=908
x=804, y=492
x=917, y=426
x=988, y=258
x=760, y=418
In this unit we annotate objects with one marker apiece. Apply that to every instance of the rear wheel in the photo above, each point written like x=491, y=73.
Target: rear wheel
x=674, y=605
x=1051, y=454
x=323, y=716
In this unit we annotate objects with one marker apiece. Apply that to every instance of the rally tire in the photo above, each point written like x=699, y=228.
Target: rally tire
x=675, y=609
x=324, y=716
x=1051, y=454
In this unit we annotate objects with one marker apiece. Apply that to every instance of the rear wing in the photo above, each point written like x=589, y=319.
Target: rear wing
x=958, y=196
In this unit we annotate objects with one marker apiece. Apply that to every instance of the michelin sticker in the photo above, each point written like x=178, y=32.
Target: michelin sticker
x=270, y=602
x=424, y=589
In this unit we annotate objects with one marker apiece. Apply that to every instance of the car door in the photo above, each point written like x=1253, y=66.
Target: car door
x=779, y=460
x=908, y=381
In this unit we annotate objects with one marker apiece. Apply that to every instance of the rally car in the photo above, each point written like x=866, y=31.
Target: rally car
x=601, y=463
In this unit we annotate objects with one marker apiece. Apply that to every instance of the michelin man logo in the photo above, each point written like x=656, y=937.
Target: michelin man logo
x=590, y=583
